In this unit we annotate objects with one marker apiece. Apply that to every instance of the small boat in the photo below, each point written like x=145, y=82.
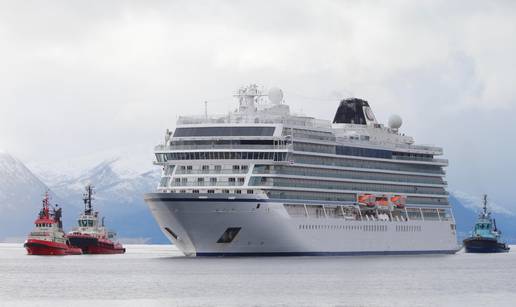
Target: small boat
x=399, y=201
x=486, y=237
x=90, y=235
x=368, y=200
x=48, y=237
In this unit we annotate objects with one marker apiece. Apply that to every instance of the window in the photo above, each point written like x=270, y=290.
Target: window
x=226, y=155
x=231, y=181
x=211, y=191
x=244, y=168
x=250, y=191
x=205, y=168
x=224, y=131
x=225, y=191
x=229, y=235
x=213, y=180
x=164, y=181
x=171, y=232
x=195, y=191
x=241, y=180
x=238, y=191
x=236, y=168
x=218, y=168
x=200, y=179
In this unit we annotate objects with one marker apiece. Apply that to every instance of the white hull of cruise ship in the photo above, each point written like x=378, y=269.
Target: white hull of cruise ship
x=195, y=226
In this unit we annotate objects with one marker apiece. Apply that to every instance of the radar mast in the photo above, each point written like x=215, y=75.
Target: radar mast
x=88, y=197
x=248, y=96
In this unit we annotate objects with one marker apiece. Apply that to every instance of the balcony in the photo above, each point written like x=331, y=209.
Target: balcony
x=210, y=147
x=207, y=184
x=211, y=171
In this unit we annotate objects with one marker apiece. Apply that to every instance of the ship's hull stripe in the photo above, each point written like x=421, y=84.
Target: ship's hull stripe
x=290, y=254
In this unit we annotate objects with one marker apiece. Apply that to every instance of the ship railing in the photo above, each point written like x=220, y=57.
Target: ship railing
x=211, y=171
x=356, y=212
x=316, y=185
x=262, y=118
x=211, y=119
x=207, y=147
x=357, y=175
x=435, y=150
x=206, y=184
x=420, y=159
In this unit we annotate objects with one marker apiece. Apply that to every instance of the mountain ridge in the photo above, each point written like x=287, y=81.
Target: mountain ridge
x=119, y=197
x=21, y=193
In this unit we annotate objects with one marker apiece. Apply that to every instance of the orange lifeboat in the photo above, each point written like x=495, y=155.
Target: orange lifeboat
x=399, y=201
x=382, y=201
x=367, y=199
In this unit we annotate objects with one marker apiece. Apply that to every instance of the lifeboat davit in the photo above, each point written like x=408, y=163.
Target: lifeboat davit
x=48, y=237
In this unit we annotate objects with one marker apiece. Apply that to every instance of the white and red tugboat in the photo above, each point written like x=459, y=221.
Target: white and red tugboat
x=90, y=235
x=48, y=237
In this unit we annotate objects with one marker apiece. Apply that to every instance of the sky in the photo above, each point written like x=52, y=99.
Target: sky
x=82, y=77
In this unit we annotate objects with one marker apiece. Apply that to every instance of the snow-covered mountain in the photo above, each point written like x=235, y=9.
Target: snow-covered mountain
x=21, y=193
x=120, y=183
x=110, y=184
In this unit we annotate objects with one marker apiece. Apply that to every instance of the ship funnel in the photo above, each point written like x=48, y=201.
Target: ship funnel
x=354, y=111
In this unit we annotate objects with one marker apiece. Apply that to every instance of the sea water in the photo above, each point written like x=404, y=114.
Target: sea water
x=159, y=275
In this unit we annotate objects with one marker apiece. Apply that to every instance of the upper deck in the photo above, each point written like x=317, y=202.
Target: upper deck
x=264, y=122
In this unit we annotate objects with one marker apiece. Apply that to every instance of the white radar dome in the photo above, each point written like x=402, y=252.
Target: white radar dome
x=395, y=121
x=275, y=95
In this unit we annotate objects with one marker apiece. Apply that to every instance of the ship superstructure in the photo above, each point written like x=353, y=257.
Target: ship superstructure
x=263, y=181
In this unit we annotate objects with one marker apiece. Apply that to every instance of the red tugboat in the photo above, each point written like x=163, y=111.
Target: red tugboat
x=90, y=235
x=48, y=237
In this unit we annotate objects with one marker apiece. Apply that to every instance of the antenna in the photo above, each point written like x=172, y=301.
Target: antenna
x=87, y=197
x=206, y=110
x=248, y=96
x=485, y=204
x=46, y=205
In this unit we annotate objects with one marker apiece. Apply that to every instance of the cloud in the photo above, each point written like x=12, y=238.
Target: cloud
x=79, y=77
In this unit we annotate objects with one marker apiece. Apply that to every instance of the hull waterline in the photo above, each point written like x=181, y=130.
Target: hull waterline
x=92, y=245
x=46, y=248
x=484, y=245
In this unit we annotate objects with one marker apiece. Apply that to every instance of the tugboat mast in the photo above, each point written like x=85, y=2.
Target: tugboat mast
x=485, y=205
x=87, y=199
x=45, y=212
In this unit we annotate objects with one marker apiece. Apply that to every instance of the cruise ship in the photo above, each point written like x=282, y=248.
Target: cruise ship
x=263, y=181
